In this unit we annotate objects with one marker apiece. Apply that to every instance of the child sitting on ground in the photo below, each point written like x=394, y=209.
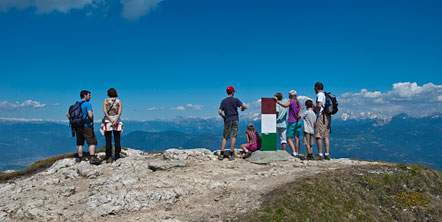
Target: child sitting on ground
x=253, y=141
x=309, y=117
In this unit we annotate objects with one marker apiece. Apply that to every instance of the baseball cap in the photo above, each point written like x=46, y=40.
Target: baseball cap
x=231, y=89
x=292, y=92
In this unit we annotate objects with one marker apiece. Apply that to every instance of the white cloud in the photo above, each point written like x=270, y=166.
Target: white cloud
x=152, y=108
x=155, y=108
x=179, y=108
x=404, y=97
x=6, y=105
x=191, y=106
x=134, y=9
x=47, y=6
x=20, y=119
x=131, y=9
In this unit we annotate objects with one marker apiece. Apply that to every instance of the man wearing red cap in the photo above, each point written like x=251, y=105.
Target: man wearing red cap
x=230, y=106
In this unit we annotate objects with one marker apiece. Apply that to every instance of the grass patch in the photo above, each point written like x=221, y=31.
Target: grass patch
x=393, y=192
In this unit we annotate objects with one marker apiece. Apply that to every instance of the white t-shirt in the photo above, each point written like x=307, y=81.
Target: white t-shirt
x=320, y=97
x=309, y=120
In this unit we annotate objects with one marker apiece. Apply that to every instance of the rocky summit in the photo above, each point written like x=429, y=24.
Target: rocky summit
x=176, y=185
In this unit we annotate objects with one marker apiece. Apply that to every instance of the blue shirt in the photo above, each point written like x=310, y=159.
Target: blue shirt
x=230, y=107
x=86, y=106
x=281, y=119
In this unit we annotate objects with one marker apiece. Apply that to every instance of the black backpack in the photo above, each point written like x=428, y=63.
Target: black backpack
x=331, y=104
x=76, y=117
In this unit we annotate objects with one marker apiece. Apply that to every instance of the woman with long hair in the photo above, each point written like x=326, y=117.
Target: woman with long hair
x=112, y=108
x=294, y=125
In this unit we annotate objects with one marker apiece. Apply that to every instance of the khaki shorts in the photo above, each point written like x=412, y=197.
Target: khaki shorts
x=230, y=129
x=322, y=126
x=308, y=139
x=86, y=133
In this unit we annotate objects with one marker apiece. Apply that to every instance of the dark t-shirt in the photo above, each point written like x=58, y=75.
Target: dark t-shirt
x=230, y=107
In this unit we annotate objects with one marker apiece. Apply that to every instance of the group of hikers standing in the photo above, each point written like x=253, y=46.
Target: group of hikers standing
x=290, y=122
x=314, y=122
x=81, y=119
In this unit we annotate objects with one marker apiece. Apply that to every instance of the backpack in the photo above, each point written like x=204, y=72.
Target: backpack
x=331, y=104
x=76, y=116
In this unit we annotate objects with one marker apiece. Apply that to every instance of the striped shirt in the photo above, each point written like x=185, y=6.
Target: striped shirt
x=252, y=136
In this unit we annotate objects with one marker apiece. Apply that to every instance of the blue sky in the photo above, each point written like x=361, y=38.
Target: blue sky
x=176, y=57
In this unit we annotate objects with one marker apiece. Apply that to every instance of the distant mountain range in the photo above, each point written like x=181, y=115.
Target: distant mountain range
x=400, y=139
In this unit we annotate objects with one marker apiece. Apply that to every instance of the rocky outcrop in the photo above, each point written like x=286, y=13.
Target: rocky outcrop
x=178, y=185
x=264, y=157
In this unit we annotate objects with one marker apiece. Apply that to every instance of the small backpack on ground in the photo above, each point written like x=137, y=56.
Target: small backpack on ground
x=76, y=117
x=331, y=104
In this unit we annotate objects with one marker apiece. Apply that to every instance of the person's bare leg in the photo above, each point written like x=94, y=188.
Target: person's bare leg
x=284, y=146
x=223, y=145
x=319, y=143
x=292, y=146
x=92, y=150
x=309, y=149
x=297, y=144
x=232, y=144
x=327, y=145
x=80, y=150
x=244, y=147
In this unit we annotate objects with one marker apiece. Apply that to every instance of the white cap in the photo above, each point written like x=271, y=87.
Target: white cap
x=292, y=92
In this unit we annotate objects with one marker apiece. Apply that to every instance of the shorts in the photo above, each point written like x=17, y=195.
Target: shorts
x=282, y=134
x=86, y=133
x=322, y=126
x=308, y=139
x=230, y=129
x=294, y=129
x=252, y=147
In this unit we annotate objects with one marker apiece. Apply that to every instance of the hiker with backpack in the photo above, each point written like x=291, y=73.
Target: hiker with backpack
x=326, y=105
x=81, y=120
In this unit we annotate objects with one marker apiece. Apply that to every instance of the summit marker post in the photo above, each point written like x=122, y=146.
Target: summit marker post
x=268, y=124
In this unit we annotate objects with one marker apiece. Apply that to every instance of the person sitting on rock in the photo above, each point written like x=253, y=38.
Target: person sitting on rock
x=253, y=141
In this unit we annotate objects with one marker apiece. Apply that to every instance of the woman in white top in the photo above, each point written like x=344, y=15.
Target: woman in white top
x=112, y=108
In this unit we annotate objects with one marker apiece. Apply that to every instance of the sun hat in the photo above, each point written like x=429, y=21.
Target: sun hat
x=292, y=92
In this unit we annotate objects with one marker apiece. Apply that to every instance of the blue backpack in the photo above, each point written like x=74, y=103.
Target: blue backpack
x=76, y=116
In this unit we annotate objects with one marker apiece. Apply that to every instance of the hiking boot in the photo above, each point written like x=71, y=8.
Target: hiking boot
x=310, y=157
x=232, y=156
x=77, y=159
x=300, y=157
x=118, y=156
x=221, y=155
x=109, y=160
x=94, y=160
x=320, y=157
x=247, y=155
x=326, y=157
